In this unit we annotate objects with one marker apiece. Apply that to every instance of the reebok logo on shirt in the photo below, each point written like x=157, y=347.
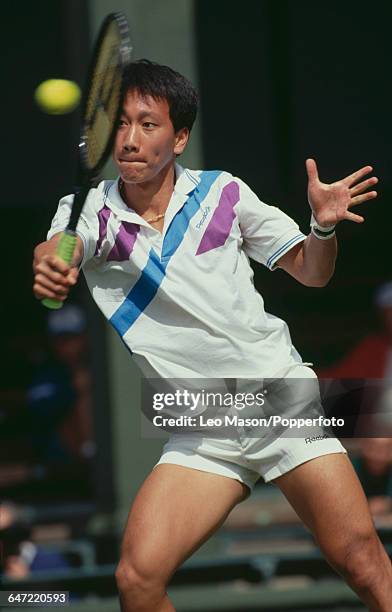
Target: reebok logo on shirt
x=204, y=217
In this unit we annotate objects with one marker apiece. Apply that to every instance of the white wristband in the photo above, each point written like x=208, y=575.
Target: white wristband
x=313, y=223
x=322, y=233
x=321, y=236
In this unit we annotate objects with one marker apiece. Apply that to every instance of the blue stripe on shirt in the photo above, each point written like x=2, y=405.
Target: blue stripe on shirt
x=285, y=246
x=140, y=295
x=146, y=287
x=180, y=223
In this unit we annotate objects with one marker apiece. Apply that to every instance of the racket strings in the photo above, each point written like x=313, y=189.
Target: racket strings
x=104, y=96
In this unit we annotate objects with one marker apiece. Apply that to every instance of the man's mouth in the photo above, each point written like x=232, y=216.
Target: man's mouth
x=123, y=160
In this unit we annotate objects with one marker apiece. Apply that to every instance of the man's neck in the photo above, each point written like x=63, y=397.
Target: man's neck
x=151, y=198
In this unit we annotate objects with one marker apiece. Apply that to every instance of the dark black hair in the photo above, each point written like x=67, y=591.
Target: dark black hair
x=161, y=82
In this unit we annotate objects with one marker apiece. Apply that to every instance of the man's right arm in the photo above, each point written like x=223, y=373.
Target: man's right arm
x=53, y=278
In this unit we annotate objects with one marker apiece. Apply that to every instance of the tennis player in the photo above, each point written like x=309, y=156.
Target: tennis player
x=165, y=253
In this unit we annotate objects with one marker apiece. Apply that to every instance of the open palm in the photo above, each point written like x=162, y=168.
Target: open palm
x=330, y=203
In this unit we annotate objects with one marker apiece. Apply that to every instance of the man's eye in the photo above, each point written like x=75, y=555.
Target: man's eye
x=149, y=124
x=121, y=123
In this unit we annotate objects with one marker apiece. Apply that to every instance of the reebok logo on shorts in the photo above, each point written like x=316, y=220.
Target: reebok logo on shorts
x=315, y=439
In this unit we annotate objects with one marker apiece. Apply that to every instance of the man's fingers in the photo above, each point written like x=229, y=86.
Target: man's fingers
x=44, y=285
x=53, y=262
x=311, y=169
x=351, y=217
x=51, y=270
x=55, y=278
x=370, y=195
x=41, y=280
x=356, y=176
x=357, y=189
x=41, y=292
x=58, y=264
x=73, y=275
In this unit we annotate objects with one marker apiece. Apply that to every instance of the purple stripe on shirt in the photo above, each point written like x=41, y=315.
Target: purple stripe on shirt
x=219, y=227
x=125, y=241
x=103, y=218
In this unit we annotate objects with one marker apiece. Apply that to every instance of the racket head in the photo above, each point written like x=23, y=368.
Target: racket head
x=102, y=105
x=103, y=93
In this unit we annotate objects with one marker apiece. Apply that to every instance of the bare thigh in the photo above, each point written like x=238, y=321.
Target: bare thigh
x=174, y=512
x=327, y=495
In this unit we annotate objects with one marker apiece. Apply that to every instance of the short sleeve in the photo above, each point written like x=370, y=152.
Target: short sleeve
x=86, y=227
x=267, y=232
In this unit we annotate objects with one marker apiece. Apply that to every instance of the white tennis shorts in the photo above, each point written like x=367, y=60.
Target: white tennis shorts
x=247, y=458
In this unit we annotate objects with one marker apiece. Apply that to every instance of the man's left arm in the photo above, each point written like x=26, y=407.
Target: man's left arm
x=312, y=262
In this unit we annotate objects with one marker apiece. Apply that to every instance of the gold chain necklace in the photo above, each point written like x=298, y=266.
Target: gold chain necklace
x=122, y=194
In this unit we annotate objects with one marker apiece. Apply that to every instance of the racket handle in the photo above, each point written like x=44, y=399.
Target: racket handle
x=65, y=250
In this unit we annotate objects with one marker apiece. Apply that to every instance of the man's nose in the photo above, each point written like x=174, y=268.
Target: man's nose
x=132, y=140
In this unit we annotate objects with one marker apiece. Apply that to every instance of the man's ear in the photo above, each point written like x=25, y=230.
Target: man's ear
x=181, y=140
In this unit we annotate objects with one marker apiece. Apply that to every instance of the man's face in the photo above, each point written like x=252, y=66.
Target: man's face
x=146, y=142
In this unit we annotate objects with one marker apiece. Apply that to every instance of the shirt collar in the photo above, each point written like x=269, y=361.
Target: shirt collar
x=186, y=181
x=114, y=201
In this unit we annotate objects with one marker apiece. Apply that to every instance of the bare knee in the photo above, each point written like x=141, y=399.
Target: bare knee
x=142, y=588
x=362, y=562
x=128, y=579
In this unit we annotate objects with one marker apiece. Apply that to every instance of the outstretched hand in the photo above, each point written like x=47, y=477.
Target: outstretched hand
x=330, y=203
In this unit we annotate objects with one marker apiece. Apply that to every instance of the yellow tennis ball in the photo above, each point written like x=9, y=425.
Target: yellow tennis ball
x=57, y=96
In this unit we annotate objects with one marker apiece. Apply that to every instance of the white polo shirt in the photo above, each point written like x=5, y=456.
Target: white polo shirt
x=183, y=301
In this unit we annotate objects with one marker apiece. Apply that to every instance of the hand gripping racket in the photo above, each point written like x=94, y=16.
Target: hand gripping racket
x=101, y=113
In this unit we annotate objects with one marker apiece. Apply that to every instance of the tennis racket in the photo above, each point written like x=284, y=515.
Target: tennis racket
x=101, y=112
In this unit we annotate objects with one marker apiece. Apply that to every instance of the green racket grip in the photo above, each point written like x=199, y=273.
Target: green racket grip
x=65, y=250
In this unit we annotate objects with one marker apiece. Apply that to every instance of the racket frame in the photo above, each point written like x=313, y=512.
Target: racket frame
x=86, y=176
